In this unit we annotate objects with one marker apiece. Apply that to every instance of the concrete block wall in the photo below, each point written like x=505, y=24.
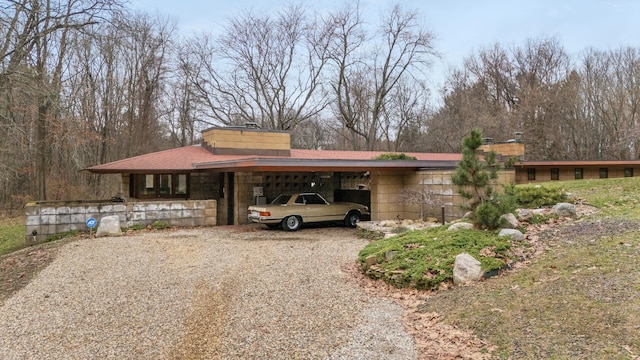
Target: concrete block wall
x=49, y=218
x=246, y=138
x=443, y=193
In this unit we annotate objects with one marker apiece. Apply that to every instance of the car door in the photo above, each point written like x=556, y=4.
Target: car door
x=317, y=209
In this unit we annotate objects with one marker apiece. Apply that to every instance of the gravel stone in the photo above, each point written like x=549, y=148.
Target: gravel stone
x=210, y=293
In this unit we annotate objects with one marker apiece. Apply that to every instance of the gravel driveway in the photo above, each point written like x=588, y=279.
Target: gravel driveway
x=211, y=293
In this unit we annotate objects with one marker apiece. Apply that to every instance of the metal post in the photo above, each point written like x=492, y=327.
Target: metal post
x=442, y=208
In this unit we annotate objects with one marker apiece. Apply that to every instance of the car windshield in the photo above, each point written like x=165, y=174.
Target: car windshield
x=281, y=199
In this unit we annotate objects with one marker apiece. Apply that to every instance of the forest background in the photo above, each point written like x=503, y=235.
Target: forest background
x=84, y=82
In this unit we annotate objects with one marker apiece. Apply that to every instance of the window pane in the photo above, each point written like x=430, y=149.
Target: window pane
x=181, y=186
x=531, y=174
x=578, y=173
x=604, y=173
x=555, y=173
x=628, y=172
x=145, y=184
x=165, y=184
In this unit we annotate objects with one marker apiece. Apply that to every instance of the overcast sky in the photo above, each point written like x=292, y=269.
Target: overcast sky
x=461, y=26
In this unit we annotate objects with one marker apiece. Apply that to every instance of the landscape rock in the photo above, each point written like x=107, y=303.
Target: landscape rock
x=564, y=209
x=512, y=233
x=511, y=220
x=466, y=269
x=109, y=226
x=524, y=214
x=460, y=226
x=371, y=260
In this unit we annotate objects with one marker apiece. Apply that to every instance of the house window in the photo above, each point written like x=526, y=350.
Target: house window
x=555, y=174
x=628, y=172
x=531, y=174
x=579, y=173
x=604, y=173
x=160, y=186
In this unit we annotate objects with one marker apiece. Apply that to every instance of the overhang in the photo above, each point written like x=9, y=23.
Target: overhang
x=567, y=163
x=197, y=158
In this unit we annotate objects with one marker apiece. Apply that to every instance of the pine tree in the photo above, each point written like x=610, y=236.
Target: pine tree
x=475, y=179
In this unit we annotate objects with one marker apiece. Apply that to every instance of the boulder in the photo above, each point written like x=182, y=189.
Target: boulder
x=371, y=260
x=564, y=209
x=466, y=269
x=460, y=226
x=109, y=226
x=512, y=233
x=524, y=214
x=510, y=220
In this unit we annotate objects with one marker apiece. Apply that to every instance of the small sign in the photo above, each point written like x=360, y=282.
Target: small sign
x=258, y=191
x=91, y=223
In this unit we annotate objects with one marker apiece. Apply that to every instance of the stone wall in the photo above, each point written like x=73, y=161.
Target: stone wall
x=49, y=218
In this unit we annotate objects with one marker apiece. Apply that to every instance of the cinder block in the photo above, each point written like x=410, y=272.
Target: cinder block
x=176, y=214
x=198, y=213
x=32, y=220
x=78, y=210
x=164, y=206
x=140, y=207
x=91, y=209
x=47, y=219
x=63, y=219
x=138, y=216
x=47, y=211
x=198, y=221
x=78, y=218
x=210, y=221
x=62, y=210
x=177, y=206
x=120, y=208
x=63, y=228
x=32, y=210
x=106, y=209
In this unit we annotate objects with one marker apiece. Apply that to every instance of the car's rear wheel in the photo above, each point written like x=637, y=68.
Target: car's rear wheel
x=352, y=219
x=291, y=223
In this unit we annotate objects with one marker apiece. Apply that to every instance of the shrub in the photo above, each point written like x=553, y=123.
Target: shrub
x=532, y=197
x=392, y=156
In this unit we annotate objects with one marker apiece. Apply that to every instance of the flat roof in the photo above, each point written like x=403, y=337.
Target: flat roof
x=197, y=158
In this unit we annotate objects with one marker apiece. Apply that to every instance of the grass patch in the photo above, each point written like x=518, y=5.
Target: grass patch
x=424, y=259
x=12, y=232
x=579, y=300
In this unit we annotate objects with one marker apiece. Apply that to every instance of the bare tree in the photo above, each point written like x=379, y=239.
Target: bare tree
x=423, y=198
x=363, y=87
x=33, y=53
x=263, y=69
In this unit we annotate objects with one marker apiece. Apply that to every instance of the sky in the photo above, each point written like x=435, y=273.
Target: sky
x=461, y=27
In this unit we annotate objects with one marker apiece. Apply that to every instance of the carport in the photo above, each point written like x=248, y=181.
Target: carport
x=239, y=167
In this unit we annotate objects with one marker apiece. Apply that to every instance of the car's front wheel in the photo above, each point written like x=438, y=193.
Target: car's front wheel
x=352, y=219
x=291, y=223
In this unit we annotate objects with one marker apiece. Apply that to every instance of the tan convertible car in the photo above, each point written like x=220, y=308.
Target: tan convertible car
x=292, y=210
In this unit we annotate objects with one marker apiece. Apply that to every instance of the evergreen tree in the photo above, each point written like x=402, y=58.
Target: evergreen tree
x=475, y=179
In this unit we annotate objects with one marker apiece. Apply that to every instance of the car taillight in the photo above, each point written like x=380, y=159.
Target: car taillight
x=265, y=213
